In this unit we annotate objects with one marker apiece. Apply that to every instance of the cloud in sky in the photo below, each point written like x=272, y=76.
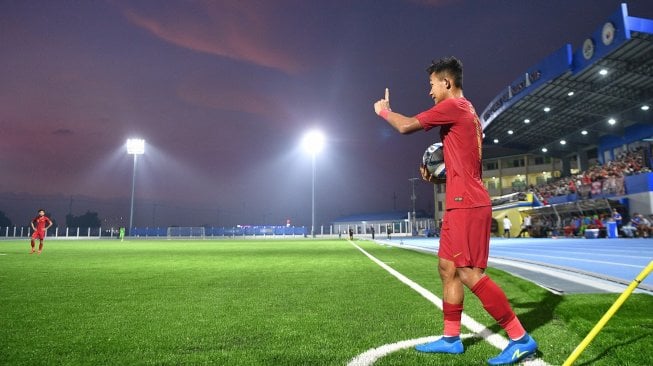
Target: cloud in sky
x=231, y=99
x=233, y=29
x=434, y=3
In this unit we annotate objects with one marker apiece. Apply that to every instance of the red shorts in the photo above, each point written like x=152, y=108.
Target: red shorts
x=38, y=234
x=465, y=236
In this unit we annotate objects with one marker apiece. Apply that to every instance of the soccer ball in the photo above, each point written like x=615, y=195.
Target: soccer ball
x=434, y=160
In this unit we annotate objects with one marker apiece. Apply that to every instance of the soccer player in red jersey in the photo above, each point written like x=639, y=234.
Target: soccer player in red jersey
x=40, y=224
x=465, y=235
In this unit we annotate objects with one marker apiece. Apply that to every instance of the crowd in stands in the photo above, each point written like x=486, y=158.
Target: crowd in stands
x=639, y=226
x=599, y=179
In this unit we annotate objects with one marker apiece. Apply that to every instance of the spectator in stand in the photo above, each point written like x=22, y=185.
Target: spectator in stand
x=643, y=226
x=629, y=230
x=616, y=216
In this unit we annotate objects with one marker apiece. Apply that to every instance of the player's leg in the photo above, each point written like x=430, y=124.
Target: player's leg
x=41, y=236
x=496, y=303
x=492, y=297
x=452, y=293
x=33, y=243
x=452, y=309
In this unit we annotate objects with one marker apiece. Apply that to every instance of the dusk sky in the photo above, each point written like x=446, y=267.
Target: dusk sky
x=223, y=91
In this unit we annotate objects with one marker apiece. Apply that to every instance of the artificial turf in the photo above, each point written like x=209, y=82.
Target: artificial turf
x=267, y=302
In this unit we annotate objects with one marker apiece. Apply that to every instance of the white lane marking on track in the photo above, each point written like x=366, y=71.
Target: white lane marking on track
x=471, y=324
x=576, y=259
x=576, y=278
x=568, y=253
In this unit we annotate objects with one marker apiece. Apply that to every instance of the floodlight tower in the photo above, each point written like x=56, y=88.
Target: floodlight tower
x=313, y=144
x=413, y=197
x=135, y=147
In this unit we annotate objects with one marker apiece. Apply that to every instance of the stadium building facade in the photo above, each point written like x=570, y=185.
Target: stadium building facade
x=574, y=110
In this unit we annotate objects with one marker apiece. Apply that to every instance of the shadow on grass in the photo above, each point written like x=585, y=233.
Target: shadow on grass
x=626, y=342
x=539, y=314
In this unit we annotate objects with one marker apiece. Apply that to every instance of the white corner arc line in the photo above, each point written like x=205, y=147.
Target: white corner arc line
x=370, y=356
x=471, y=324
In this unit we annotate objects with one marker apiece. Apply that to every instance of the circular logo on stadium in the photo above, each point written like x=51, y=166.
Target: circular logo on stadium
x=588, y=49
x=607, y=34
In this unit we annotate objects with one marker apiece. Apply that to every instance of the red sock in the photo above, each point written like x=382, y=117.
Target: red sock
x=33, y=244
x=452, y=315
x=495, y=302
x=40, y=246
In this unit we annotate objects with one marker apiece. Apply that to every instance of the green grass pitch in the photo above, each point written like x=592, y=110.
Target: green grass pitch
x=268, y=302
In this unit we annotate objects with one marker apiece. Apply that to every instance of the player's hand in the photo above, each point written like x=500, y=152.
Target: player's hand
x=424, y=172
x=383, y=104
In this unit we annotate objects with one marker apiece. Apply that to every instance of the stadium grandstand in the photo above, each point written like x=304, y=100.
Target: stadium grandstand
x=575, y=131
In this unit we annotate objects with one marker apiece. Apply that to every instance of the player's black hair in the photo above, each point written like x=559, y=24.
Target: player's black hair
x=451, y=66
x=40, y=209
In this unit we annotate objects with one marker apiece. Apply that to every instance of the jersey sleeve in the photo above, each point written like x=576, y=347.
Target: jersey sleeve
x=442, y=113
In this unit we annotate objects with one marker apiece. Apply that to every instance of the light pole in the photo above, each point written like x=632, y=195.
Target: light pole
x=313, y=144
x=413, y=197
x=134, y=147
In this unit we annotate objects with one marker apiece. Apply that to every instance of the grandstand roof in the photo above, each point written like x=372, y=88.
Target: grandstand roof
x=580, y=96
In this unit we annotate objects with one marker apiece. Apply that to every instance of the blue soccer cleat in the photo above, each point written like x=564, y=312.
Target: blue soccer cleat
x=443, y=345
x=515, y=352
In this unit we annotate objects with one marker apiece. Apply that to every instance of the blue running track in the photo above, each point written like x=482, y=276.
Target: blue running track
x=621, y=259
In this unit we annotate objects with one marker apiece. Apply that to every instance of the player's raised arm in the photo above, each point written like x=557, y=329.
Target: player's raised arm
x=398, y=121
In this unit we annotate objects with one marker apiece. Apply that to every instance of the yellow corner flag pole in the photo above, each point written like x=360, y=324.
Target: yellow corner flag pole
x=613, y=309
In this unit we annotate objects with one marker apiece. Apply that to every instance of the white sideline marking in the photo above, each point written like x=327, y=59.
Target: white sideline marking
x=469, y=323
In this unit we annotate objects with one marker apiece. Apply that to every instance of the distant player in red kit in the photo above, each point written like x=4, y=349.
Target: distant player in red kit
x=40, y=224
x=465, y=235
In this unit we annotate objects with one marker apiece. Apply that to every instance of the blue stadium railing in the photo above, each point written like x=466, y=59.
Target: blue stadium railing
x=224, y=231
x=146, y=232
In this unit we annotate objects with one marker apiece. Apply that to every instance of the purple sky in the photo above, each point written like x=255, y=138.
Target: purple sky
x=222, y=91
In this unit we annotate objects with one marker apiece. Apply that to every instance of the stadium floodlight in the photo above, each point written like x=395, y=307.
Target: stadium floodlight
x=134, y=147
x=313, y=143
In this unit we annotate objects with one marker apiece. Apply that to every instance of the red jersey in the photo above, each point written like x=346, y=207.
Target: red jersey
x=41, y=222
x=462, y=135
